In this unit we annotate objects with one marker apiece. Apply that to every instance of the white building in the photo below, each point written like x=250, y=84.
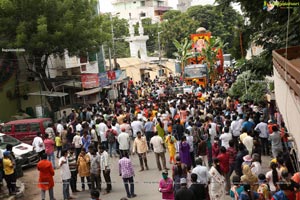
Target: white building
x=183, y=5
x=136, y=9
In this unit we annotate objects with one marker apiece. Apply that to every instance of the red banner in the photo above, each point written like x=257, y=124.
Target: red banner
x=111, y=75
x=89, y=80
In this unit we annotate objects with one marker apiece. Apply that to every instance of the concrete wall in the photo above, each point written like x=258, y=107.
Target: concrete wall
x=8, y=106
x=289, y=106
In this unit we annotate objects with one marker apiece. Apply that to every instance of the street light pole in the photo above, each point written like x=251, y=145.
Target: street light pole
x=159, y=52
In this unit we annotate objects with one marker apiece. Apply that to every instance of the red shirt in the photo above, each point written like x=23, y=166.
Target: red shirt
x=224, y=162
x=232, y=154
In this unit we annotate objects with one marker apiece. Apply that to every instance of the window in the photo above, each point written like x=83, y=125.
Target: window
x=7, y=128
x=142, y=3
x=34, y=127
x=20, y=128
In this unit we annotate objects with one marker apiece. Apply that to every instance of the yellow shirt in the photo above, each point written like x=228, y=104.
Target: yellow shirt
x=8, y=166
x=58, y=141
x=140, y=145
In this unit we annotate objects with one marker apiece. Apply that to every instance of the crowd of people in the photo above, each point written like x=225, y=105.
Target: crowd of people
x=215, y=144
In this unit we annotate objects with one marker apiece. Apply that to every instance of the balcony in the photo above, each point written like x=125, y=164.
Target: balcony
x=286, y=67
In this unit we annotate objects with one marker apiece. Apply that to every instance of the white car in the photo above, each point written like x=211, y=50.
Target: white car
x=23, y=152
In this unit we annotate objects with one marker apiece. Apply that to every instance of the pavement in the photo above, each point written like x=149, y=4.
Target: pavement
x=146, y=182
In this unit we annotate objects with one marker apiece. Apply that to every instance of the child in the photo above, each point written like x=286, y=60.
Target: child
x=58, y=145
x=236, y=189
x=263, y=189
x=171, y=141
x=95, y=195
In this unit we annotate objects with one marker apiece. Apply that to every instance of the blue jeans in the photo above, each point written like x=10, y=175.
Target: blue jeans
x=66, y=192
x=51, y=158
x=112, y=149
x=127, y=182
x=43, y=194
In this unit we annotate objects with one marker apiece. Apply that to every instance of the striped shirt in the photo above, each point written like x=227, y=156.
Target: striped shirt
x=72, y=162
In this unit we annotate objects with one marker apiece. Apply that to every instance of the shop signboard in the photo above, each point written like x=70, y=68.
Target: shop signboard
x=103, y=79
x=89, y=81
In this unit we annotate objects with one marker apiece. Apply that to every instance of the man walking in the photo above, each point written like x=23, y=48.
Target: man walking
x=73, y=169
x=262, y=129
x=184, y=193
x=65, y=174
x=105, y=168
x=38, y=144
x=140, y=145
x=159, y=150
x=49, y=149
x=202, y=175
x=127, y=173
x=149, y=127
x=95, y=169
x=123, y=140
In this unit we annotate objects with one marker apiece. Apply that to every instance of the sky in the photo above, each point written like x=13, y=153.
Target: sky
x=105, y=5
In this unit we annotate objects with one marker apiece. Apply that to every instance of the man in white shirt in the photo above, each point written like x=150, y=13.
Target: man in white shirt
x=235, y=128
x=124, y=140
x=202, y=173
x=159, y=150
x=105, y=168
x=101, y=131
x=225, y=137
x=59, y=127
x=262, y=129
x=137, y=126
x=65, y=174
x=77, y=142
x=38, y=144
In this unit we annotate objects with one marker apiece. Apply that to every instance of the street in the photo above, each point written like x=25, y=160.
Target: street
x=146, y=182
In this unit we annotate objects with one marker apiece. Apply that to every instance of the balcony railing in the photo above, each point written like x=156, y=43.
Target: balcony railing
x=287, y=63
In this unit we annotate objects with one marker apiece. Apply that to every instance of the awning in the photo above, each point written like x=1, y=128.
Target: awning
x=48, y=94
x=88, y=92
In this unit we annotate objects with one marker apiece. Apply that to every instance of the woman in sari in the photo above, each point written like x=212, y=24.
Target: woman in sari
x=217, y=182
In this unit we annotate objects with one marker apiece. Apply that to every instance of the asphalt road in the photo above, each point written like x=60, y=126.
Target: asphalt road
x=146, y=182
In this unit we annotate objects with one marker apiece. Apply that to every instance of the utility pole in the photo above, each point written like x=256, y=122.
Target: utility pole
x=113, y=41
x=159, y=53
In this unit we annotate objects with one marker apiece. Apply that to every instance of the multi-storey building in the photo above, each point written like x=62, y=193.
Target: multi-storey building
x=136, y=9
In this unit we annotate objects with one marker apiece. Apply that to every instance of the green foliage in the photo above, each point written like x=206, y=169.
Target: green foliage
x=248, y=86
x=259, y=65
x=183, y=50
x=151, y=30
x=176, y=26
x=269, y=29
x=50, y=27
x=120, y=28
x=222, y=23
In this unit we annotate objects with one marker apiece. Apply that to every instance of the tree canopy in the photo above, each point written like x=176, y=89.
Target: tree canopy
x=272, y=30
x=50, y=27
x=224, y=23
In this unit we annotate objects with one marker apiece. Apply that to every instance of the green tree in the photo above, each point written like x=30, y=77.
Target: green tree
x=45, y=28
x=249, y=87
x=120, y=28
x=268, y=29
x=176, y=26
x=224, y=23
x=183, y=51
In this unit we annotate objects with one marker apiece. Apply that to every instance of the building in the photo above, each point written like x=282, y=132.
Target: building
x=136, y=9
x=286, y=65
x=183, y=5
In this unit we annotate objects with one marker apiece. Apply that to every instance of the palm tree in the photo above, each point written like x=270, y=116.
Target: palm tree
x=183, y=51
